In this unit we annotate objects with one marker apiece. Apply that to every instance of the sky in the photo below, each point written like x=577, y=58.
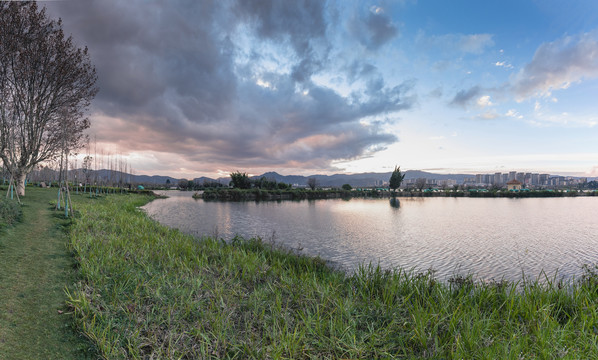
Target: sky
x=204, y=88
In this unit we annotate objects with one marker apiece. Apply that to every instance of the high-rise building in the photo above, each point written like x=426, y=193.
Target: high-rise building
x=543, y=179
x=479, y=178
x=528, y=179
x=447, y=183
x=512, y=175
x=469, y=180
x=487, y=179
x=561, y=180
x=498, y=179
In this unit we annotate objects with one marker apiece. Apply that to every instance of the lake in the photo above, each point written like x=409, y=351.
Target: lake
x=490, y=238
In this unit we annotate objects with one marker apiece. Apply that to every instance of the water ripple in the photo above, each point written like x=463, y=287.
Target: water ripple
x=490, y=238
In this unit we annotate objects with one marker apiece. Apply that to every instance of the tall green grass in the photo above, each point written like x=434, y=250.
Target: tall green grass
x=10, y=212
x=150, y=292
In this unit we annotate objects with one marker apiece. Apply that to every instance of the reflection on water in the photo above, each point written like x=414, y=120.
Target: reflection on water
x=490, y=238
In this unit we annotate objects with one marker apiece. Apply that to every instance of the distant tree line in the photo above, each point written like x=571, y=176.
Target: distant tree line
x=238, y=180
x=241, y=180
x=190, y=185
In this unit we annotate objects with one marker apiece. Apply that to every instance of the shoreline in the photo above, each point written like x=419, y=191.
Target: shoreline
x=300, y=194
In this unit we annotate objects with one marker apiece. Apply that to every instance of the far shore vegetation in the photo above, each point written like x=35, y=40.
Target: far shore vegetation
x=234, y=194
x=243, y=188
x=141, y=290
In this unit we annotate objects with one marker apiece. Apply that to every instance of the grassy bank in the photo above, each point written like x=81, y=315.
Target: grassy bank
x=35, y=268
x=150, y=292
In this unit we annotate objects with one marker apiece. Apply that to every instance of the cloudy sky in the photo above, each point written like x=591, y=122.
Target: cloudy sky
x=202, y=88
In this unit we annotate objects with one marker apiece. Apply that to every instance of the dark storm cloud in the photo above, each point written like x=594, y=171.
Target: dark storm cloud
x=373, y=29
x=175, y=77
x=151, y=57
x=300, y=23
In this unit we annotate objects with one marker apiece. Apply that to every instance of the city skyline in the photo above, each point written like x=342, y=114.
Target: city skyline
x=534, y=180
x=206, y=88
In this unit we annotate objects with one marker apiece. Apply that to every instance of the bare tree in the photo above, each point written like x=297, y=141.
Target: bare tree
x=87, y=170
x=312, y=182
x=420, y=183
x=69, y=141
x=183, y=183
x=46, y=83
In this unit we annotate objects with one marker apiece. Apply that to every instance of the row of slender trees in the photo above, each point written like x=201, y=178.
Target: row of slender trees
x=46, y=86
x=101, y=170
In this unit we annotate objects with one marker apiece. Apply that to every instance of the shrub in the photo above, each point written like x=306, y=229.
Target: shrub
x=240, y=180
x=10, y=212
x=234, y=194
x=283, y=186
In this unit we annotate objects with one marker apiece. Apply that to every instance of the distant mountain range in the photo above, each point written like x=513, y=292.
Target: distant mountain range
x=355, y=180
x=337, y=180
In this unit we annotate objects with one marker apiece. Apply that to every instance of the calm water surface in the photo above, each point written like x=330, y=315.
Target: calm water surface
x=489, y=238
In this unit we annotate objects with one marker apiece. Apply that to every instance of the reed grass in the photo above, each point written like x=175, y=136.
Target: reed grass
x=146, y=291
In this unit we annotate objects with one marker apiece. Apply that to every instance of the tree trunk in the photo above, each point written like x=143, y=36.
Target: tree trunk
x=20, y=182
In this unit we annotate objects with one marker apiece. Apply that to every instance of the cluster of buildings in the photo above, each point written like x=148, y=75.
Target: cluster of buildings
x=528, y=180
x=446, y=183
x=502, y=180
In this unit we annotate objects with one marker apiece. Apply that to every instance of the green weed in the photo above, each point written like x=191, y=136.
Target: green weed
x=147, y=291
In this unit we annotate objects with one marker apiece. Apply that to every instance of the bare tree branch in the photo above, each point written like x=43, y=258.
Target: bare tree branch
x=46, y=84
